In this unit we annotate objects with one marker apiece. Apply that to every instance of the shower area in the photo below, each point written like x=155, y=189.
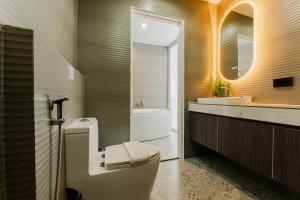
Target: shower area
x=154, y=82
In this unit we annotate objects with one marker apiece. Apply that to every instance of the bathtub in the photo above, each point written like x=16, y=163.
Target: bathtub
x=150, y=124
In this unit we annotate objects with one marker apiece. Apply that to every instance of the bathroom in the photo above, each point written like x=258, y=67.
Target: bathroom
x=77, y=55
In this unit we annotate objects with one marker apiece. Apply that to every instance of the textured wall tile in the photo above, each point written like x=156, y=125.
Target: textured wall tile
x=2, y=175
x=18, y=113
x=277, y=53
x=54, y=76
x=54, y=25
x=53, y=20
x=104, y=58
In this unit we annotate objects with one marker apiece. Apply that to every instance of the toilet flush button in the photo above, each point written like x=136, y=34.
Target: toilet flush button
x=84, y=120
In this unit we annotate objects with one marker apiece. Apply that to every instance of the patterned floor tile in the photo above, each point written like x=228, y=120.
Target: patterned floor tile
x=213, y=178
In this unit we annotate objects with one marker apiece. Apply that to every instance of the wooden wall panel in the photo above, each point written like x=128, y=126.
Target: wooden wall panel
x=104, y=58
x=277, y=53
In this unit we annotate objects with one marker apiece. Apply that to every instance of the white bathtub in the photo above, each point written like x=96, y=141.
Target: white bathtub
x=150, y=124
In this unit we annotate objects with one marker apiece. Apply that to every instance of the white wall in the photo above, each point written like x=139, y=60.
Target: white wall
x=52, y=20
x=150, y=75
x=173, y=63
x=54, y=25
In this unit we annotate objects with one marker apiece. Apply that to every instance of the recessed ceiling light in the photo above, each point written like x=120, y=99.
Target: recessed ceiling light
x=144, y=25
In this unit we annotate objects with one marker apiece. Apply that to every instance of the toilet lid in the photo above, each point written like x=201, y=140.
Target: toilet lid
x=118, y=156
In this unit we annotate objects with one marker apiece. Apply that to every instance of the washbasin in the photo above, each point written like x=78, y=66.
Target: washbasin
x=242, y=100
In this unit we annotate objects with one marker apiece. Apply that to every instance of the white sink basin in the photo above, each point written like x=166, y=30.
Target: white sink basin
x=243, y=100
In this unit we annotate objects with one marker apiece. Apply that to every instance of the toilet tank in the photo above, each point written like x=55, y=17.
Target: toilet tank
x=81, y=146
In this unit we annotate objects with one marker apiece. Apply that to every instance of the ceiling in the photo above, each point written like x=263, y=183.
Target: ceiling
x=245, y=9
x=158, y=32
x=213, y=1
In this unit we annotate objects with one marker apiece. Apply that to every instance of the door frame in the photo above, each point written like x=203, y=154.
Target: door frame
x=180, y=42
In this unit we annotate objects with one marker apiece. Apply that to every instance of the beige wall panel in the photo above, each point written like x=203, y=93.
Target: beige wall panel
x=285, y=49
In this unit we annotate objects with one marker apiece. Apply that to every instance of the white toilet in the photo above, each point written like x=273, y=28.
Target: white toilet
x=122, y=172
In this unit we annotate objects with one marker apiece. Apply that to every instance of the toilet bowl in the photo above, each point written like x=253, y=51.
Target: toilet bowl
x=121, y=172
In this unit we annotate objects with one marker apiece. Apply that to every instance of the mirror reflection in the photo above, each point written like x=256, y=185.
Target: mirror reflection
x=237, y=47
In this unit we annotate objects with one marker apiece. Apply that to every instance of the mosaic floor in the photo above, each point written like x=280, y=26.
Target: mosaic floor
x=213, y=178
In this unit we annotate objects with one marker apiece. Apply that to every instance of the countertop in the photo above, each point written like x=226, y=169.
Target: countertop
x=279, y=106
x=273, y=113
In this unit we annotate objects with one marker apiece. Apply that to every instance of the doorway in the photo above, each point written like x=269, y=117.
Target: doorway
x=157, y=80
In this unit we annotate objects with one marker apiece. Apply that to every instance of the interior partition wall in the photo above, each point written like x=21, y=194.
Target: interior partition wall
x=17, y=143
x=173, y=85
x=2, y=179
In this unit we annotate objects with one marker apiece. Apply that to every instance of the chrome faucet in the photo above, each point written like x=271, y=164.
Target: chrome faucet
x=59, y=106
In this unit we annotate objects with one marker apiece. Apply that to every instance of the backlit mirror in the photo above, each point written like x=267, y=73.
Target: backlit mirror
x=237, y=42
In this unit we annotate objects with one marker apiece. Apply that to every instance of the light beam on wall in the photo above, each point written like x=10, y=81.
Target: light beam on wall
x=218, y=71
x=144, y=25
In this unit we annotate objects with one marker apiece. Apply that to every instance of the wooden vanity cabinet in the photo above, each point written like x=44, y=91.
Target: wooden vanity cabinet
x=246, y=142
x=269, y=149
x=287, y=157
x=229, y=138
x=203, y=129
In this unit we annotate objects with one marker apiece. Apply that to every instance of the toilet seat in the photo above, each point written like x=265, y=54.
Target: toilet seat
x=119, y=157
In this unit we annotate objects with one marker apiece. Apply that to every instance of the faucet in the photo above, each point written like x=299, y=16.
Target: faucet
x=142, y=105
x=59, y=106
x=58, y=121
x=226, y=91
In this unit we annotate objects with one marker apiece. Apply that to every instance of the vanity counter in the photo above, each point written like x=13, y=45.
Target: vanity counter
x=273, y=113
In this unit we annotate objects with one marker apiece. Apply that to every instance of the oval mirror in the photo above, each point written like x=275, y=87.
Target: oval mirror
x=237, y=42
